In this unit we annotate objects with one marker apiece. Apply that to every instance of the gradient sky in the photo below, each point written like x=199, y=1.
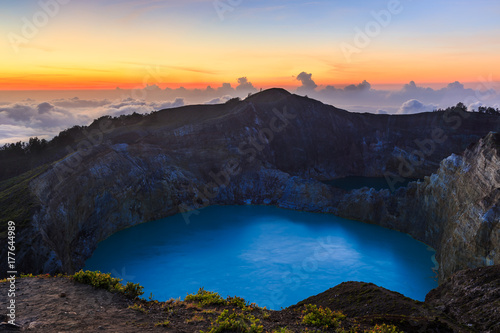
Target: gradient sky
x=102, y=44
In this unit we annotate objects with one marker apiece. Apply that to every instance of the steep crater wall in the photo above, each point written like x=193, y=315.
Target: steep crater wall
x=455, y=210
x=273, y=148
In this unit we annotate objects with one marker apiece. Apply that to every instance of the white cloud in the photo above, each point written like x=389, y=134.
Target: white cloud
x=15, y=133
x=44, y=107
x=455, y=86
x=363, y=86
x=178, y=102
x=363, y=97
x=308, y=84
x=220, y=100
x=76, y=102
x=21, y=120
x=18, y=112
x=415, y=106
x=245, y=86
x=474, y=106
x=225, y=89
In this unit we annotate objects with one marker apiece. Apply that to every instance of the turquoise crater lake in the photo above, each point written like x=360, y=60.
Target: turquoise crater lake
x=267, y=255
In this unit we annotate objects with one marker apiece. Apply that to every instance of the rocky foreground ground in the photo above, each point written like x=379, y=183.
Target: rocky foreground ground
x=467, y=302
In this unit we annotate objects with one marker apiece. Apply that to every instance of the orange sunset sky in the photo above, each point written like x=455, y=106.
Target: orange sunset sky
x=62, y=44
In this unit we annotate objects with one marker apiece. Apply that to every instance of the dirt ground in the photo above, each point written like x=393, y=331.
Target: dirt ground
x=61, y=305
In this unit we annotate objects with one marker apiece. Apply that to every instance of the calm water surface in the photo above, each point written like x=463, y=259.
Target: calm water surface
x=269, y=256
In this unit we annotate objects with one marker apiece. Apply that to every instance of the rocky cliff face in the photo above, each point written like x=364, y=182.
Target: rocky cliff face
x=455, y=210
x=273, y=148
x=471, y=298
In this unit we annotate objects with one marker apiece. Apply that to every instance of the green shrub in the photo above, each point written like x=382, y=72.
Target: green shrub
x=138, y=307
x=321, y=317
x=383, y=329
x=40, y=276
x=162, y=323
x=132, y=290
x=236, y=322
x=105, y=281
x=206, y=298
x=237, y=301
x=282, y=330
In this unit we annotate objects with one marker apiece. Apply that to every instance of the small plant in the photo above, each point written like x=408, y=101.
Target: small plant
x=105, y=281
x=132, y=290
x=195, y=306
x=383, y=329
x=138, y=307
x=253, y=307
x=29, y=275
x=41, y=276
x=282, y=330
x=321, y=317
x=98, y=280
x=206, y=298
x=173, y=302
x=236, y=322
x=194, y=319
x=162, y=323
x=237, y=301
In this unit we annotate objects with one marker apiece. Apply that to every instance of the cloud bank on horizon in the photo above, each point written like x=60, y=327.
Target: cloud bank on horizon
x=29, y=118
x=411, y=98
x=45, y=118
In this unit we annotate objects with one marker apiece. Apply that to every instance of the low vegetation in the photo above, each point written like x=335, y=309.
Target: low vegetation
x=204, y=298
x=162, y=323
x=16, y=200
x=138, y=307
x=209, y=312
x=461, y=107
x=235, y=322
x=105, y=281
x=321, y=317
x=383, y=329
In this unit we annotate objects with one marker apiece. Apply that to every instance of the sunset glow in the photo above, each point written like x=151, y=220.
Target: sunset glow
x=105, y=44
